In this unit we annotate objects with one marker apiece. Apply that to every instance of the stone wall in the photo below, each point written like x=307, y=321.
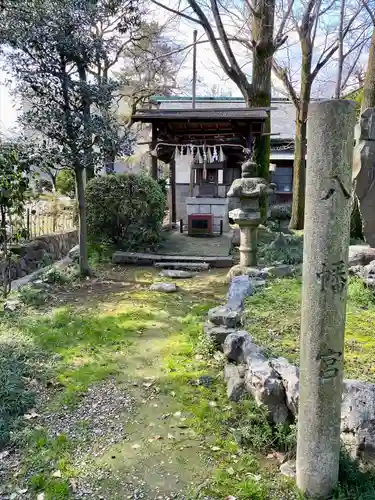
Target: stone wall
x=183, y=192
x=40, y=252
x=274, y=382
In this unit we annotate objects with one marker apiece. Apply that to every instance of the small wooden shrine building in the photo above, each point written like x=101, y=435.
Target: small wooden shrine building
x=204, y=149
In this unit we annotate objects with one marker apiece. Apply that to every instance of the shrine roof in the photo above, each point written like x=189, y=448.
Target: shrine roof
x=283, y=113
x=201, y=114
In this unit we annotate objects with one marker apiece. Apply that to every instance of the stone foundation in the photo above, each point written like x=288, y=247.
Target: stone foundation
x=218, y=207
x=40, y=252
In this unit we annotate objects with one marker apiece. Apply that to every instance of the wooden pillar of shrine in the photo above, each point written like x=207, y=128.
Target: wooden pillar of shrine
x=172, y=182
x=154, y=158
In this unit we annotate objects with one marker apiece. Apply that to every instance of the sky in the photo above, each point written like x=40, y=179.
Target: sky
x=8, y=113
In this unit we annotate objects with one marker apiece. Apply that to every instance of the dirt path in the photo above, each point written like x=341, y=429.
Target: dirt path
x=124, y=433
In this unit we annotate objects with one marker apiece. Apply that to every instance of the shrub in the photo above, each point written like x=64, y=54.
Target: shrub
x=126, y=210
x=65, y=182
x=15, y=398
x=279, y=212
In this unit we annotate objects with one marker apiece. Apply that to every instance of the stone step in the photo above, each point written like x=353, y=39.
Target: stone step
x=176, y=274
x=188, y=266
x=148, y=259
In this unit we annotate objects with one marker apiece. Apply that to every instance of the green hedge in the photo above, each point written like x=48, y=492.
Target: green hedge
x=126, y=210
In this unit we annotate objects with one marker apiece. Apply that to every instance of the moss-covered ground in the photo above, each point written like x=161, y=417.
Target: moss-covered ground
x=180, y=437
x=273, y=319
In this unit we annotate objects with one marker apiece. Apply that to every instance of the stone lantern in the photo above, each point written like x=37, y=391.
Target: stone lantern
x=252, y=195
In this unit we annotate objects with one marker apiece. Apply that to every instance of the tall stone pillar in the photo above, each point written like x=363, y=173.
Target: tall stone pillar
x=325, y=273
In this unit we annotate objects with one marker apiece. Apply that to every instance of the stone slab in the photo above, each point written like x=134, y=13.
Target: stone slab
x=183, y=265
x=206, y=201
x=176, y=274
x=149, y=259
x=164, y=287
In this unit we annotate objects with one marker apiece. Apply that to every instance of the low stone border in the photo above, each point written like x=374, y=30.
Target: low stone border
x=40, y=252
x=274, y=382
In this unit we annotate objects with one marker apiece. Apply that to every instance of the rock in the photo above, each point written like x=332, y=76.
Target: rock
x=217, y=334
x=164, y=287
x=176, y=273
x=12, y=305
x=239, y=347
x=74, y=253
x=368, y=274
x=252, y=272
x=280, y=271
x=360, y=255
x=205, y=380
x=240, y=287
x=358, y=418
x=289, y=375
x=263, y=383
x=225, y=316
x=356, y=271
x=234, y=376
x=288, y=469
x=258, y=283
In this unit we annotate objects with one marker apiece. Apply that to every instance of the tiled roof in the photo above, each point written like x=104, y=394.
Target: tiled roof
x=283, y=113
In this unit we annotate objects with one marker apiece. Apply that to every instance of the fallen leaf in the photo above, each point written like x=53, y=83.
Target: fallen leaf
x=32, y=414
x=40, y=496
x=256, y=477
x=171, y=436
x=215, y=448
x=22, y=491
x=155, y=438
x=56, y=473
x=73, y=484
x=136, y=446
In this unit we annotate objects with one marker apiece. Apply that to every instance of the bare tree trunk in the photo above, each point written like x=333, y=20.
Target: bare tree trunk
x=83, y=251
x=341, y=51
x=368, y=98
x=262, y=33
x=299, y=166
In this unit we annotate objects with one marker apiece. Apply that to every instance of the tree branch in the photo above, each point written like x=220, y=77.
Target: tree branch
x=224, y=39
x=371, y=13
x=280, y=32
x=177, y=12
x=323, y=61
x=282, y=75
